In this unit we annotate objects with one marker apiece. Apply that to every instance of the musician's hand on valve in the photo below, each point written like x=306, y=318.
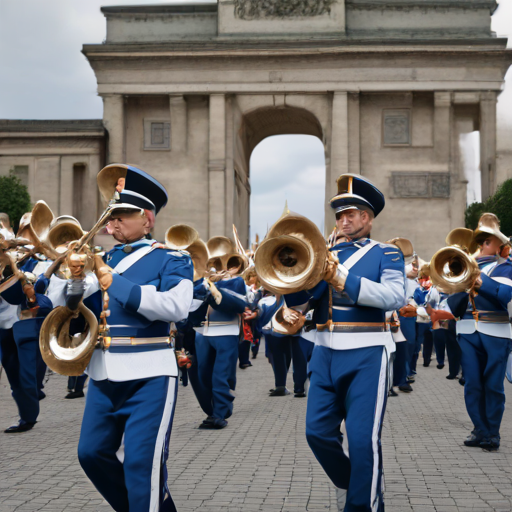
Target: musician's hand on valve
x=103, y=272
x=335, y=274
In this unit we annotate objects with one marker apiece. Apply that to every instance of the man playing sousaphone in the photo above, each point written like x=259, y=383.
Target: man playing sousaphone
x=362, y=280
x=132, y=392
x=485, y=333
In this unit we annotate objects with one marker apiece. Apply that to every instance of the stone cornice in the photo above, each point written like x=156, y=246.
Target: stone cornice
x=423, y=4
x=52, y=128
x=189, y=8
x=233, y=48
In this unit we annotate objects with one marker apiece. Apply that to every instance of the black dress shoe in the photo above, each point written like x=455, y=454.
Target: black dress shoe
x=22, y=426
x=406, y=388
x=440, y=366
x=41, y=395
x=473, y=440
x=462, y=381
x=392, y=392
x=300, y=394
x=75, y=394
x=490, y=444
x=451, y=377
x=280, y=391
x=254, y=356
x=211, y=423
x=244, y=366
x=426, y=365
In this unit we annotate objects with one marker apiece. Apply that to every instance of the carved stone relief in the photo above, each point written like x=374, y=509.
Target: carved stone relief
x=396, y=127
x=420, y=184
x=254, y=9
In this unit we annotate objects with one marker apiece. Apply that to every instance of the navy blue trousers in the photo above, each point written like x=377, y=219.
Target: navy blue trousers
x=484, y=361
x=453, y=352
x=203, y=395
x=21, y=359
x=216, y=365
x=349, y=385
x=244, y=349
x=124, y=442
x=77, y=383
x=440, y=344
x=424, y=337
x=286, y=349
x=400, y=365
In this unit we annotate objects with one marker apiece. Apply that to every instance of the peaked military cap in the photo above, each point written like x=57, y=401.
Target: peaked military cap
x=356, y=192
x=129, y=187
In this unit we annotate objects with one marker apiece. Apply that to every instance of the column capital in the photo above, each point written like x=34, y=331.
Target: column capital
x=489, y=96
x=442, y=98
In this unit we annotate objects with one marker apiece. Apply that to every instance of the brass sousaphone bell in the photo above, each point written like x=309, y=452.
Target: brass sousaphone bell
x=452, y=269
x=224, y=254
x=185, y=238
x=292, y=257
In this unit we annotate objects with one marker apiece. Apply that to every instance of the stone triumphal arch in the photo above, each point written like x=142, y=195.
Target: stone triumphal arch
x=388, y=86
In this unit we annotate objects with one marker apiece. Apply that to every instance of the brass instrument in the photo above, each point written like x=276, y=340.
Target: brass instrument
x=30, y=239
x=185, y=238
x=226, y=256
x=293, y=255
x=452, y=269
x=63, y=352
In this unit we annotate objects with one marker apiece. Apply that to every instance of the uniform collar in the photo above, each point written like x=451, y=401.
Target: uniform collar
x=357, y=242
x=128, y=248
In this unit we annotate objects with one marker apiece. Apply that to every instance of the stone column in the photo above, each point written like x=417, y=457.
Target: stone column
x=339, y=157
x=113, y=120
x=354, y=137
x=488, y=143
x=442, y=106
x=178, y=114
x=217, y=166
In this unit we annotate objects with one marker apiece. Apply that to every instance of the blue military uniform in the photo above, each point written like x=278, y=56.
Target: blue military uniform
x=485, y=339
x=285, y=348
x=124, y=441
x=21, y=356
x=217, y=334
x=423, y=327
x=349, y=366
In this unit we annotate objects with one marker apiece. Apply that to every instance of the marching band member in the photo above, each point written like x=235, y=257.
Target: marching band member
x=131, y=397
x=423, y=323
x=216, y=342
x=283, y=339
x=349, y=365
x=21, y=357
x=485, y=334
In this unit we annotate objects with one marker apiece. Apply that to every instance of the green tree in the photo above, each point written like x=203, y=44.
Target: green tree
x=14, y=198
x=500, y=204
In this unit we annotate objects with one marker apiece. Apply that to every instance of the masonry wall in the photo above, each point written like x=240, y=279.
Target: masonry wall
x=183, y=171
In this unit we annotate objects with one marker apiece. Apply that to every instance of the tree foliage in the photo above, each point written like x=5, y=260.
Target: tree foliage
x=14, y=198
x=500, y=204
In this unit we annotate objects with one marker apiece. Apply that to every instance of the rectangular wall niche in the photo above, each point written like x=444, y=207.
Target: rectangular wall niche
x=420, y=184
x=396, y=127
x=157, y=134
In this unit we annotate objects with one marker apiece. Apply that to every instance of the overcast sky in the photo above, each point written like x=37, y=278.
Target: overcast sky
x=45, y=76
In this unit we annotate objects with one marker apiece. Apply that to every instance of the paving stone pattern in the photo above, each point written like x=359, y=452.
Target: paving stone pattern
x=261, y=462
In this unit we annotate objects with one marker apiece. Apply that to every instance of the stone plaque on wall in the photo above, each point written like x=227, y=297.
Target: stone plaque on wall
x=396, y=127
x=420, y=184
x=157, y=134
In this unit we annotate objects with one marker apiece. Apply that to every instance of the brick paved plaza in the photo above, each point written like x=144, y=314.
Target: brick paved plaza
x=261, y=462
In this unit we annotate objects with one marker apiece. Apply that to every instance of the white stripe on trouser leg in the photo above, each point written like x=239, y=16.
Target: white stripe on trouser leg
x=344, y=442
x=381, y=395
x=159, y=446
